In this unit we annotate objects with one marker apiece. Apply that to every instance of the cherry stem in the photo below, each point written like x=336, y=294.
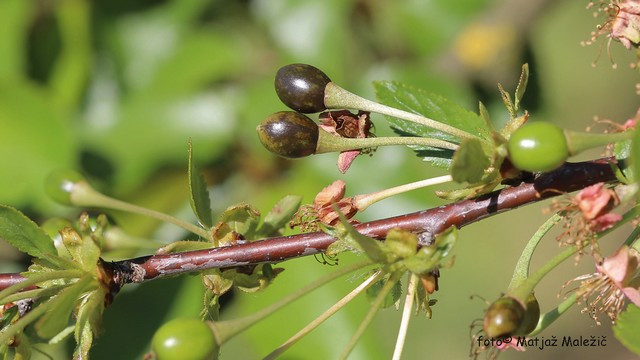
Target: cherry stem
x=526, y=287
x=406, y=316
x=331, y=143
x=521, y=271
x=336, y=97
x=578, y=142
x=373, y=309
x=549, y=317
x=364, y=201
x=84, y=195
x=225, y=330
x=324, y=316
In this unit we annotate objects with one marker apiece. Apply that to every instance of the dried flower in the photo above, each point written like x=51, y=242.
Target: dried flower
x=622, y=24
x=309, y=217
x=615, y=279
x=345, y=124
x=586, y=215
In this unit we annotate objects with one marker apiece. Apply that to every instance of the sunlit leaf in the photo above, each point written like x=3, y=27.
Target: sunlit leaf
x=522, y=86
x=199, y=196
x=19, y=231
x=627, y=328
x=433, y=106
x=57, y=318
x=469, y=162
x=280, y=215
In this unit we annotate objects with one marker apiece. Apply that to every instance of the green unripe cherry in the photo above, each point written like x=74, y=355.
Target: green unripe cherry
x=59, y=185
x=289, y=134
x=184, y=339
x=301, y=87
x=538, y=147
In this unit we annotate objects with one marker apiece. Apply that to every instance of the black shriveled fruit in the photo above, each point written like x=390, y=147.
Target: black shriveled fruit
x=301, y=87
x=503, y=318
x=289, y=134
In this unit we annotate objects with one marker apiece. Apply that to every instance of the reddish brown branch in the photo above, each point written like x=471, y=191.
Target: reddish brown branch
x=568, y=178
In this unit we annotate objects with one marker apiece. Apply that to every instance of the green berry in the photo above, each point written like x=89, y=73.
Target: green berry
x=538, y=146
x=301, y=87
x=59, y=185
x=503, y=318
x=289, y=134
x=184, y=339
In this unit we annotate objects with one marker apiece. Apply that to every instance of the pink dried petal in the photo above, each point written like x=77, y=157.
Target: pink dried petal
x=330, y=194
x=510, y=343
x=593, y=199
x=632, y=294
x=606, y=221
x=346, y=158
x=617, y=266
x=328, y=216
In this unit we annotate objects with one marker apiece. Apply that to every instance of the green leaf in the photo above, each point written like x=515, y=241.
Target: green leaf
x=522, y=86
x=484, y=114
x=432, y=256
x=433, y=106
x=402, y=243
x=241, y=218
x=635, y=154
x=280, y=215
x=506, y=99
x=469, y=162
x=57, y=318
x=199, y=196
x=627, y=328
x=25, y=235
x=373, y=248
x=184, y=245
x=392, y=297
x=88, y=323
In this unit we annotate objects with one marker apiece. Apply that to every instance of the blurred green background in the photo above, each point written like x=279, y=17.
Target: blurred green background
x=115, y=89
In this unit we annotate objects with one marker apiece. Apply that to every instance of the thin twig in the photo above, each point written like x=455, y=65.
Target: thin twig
x=428, y=223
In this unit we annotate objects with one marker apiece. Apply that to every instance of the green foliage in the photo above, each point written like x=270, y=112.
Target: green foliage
x=24, y=234
x=627, y=328
x=469, y=162
x=406, y=97
x=199, y=198
x=391, y=298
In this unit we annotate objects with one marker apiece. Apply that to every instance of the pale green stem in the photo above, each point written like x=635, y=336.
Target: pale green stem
x=84, y=195
x=32, y=280
x=521, y=271
x=324, y=316
x=551, y=316
x=331, y=143
x=373, y=309
x=406, y=316
x=525, y=288
x=577, y=142
x=364, y=201
x=338, y=98
x=225, y=330
x=633, y=237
